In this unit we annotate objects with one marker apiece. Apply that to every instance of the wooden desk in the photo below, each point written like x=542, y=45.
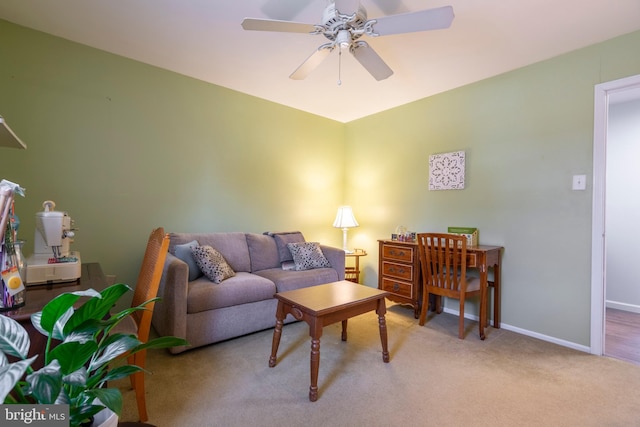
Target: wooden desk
x=37, y=296
x=484, y=257
x=400, y=273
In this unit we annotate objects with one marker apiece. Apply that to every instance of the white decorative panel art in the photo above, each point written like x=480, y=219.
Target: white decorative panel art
x=446, y=171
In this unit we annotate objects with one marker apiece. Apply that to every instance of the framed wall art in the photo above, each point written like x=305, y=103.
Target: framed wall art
x=446, y=171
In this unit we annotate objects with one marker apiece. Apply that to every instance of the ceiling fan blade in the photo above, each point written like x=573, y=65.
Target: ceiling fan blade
x=312, y=62
x=347, y=7
x=370, y=60
x=254, y=24
x=424, y=20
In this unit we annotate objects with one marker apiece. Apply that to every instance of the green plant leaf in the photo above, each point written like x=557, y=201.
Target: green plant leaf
x=121, y=372
x=97, y=308
x=109, y=397
x=46, y=383
x=59, y=305
x=77, y=378
x=115, y=345
x=73, y=355
x=11, y=374
x=161, y=342
x=14, y=340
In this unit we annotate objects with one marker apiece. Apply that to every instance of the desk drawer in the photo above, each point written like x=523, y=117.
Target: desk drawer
x=399, y=253
x=397, y=287
x=401, y=271
x=472, y=259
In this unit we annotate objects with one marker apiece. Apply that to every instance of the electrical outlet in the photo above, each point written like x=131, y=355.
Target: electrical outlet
x=579, y=182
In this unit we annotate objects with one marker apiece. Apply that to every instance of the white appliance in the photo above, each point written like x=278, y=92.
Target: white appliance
x=52, y=260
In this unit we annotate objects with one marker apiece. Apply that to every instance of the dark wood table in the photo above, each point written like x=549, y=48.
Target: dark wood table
x=324, y=305
x=37, y=296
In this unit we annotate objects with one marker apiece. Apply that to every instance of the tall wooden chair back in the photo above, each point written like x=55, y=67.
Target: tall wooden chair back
x=139, y=323
x=149, y=280
x=443, y=264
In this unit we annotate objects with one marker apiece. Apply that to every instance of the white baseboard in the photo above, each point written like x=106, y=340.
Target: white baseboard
x=623, y=306
x=528, y=333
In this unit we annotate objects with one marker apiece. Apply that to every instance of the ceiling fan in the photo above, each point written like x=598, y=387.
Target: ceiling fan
x=344, y=22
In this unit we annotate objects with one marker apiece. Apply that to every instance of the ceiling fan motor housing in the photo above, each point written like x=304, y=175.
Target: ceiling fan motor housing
x=335, y=20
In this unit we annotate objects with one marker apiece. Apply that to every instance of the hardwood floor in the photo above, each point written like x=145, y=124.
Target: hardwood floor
x=622, y=335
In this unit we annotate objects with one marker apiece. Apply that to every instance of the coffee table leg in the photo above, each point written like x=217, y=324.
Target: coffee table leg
x=277, y=333
x=344, y=330
x=382, y=323
x=315, y=331
x=315, y=365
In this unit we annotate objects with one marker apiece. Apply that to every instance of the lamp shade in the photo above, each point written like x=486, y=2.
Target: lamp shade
x=345, y=218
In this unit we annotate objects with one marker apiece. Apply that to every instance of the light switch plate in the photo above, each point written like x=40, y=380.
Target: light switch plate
x=579, y=182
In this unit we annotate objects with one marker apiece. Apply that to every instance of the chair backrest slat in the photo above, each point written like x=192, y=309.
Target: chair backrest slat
x=443, y=260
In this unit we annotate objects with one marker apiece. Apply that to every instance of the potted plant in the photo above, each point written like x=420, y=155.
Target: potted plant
x=78, y=356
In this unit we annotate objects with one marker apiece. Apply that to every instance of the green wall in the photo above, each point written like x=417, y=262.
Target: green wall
x=525, y=134
x=124, y=147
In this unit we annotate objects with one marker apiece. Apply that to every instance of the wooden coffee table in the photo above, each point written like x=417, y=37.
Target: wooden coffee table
x=324, y=305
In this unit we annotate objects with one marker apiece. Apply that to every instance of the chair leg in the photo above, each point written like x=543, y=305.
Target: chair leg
x=140, y=398
x=137, y=382
x=424, y=308
x=461, y=321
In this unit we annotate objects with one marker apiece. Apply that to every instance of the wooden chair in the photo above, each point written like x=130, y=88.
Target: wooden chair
x=443, y=262
x=139, y=323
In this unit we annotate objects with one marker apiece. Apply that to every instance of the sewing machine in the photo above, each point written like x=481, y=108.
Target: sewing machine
x=52, y=260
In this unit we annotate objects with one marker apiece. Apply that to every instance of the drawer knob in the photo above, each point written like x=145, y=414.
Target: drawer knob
x=396, y=287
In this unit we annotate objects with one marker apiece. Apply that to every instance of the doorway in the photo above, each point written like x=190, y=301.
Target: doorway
x=605, y=94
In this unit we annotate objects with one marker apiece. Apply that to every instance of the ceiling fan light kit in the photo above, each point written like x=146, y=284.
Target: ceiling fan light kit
x=344, y=22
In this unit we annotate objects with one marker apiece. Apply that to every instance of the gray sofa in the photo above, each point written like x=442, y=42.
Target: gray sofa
x=203, y=312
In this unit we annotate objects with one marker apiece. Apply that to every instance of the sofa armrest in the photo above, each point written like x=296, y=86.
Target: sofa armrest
x=170, y=313
x=336, y=258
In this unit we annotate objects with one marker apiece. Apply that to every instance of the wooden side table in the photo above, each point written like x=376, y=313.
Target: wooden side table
x=352, y=273
x=37, y=296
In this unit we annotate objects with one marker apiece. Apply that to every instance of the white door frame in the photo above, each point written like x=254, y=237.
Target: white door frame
x=598, y=247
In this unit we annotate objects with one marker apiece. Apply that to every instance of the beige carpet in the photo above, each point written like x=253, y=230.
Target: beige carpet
x=433, y=379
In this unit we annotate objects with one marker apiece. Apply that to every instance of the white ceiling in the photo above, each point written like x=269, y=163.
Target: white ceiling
x=203, y=39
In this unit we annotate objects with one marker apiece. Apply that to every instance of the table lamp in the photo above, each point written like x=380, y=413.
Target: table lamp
x=345, y=220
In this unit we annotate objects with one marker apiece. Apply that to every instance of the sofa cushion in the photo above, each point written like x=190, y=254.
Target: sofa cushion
x=308, y=255
x=232, y=246
x=282, y=239
x=290, y=280
x=263, y=251
x=241, y=289
x=212, y=263
x=183, y=252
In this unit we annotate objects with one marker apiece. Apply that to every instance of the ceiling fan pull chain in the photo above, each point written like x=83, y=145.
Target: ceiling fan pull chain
x=339, y=67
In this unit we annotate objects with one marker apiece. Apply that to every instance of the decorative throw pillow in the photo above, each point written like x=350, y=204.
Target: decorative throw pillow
x=308, y=255
x=212, y=263
x=184, y=253
x=282, y=239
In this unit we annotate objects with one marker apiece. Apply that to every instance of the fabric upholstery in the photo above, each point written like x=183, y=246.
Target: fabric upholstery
x=241, y=289
x=263, y=251
x=184, y=253
x=282, y=239
x=307, y=256
x=212, y=263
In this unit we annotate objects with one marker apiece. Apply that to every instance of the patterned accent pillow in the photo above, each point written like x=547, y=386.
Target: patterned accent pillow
x=308, y=255
x=212, y=263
